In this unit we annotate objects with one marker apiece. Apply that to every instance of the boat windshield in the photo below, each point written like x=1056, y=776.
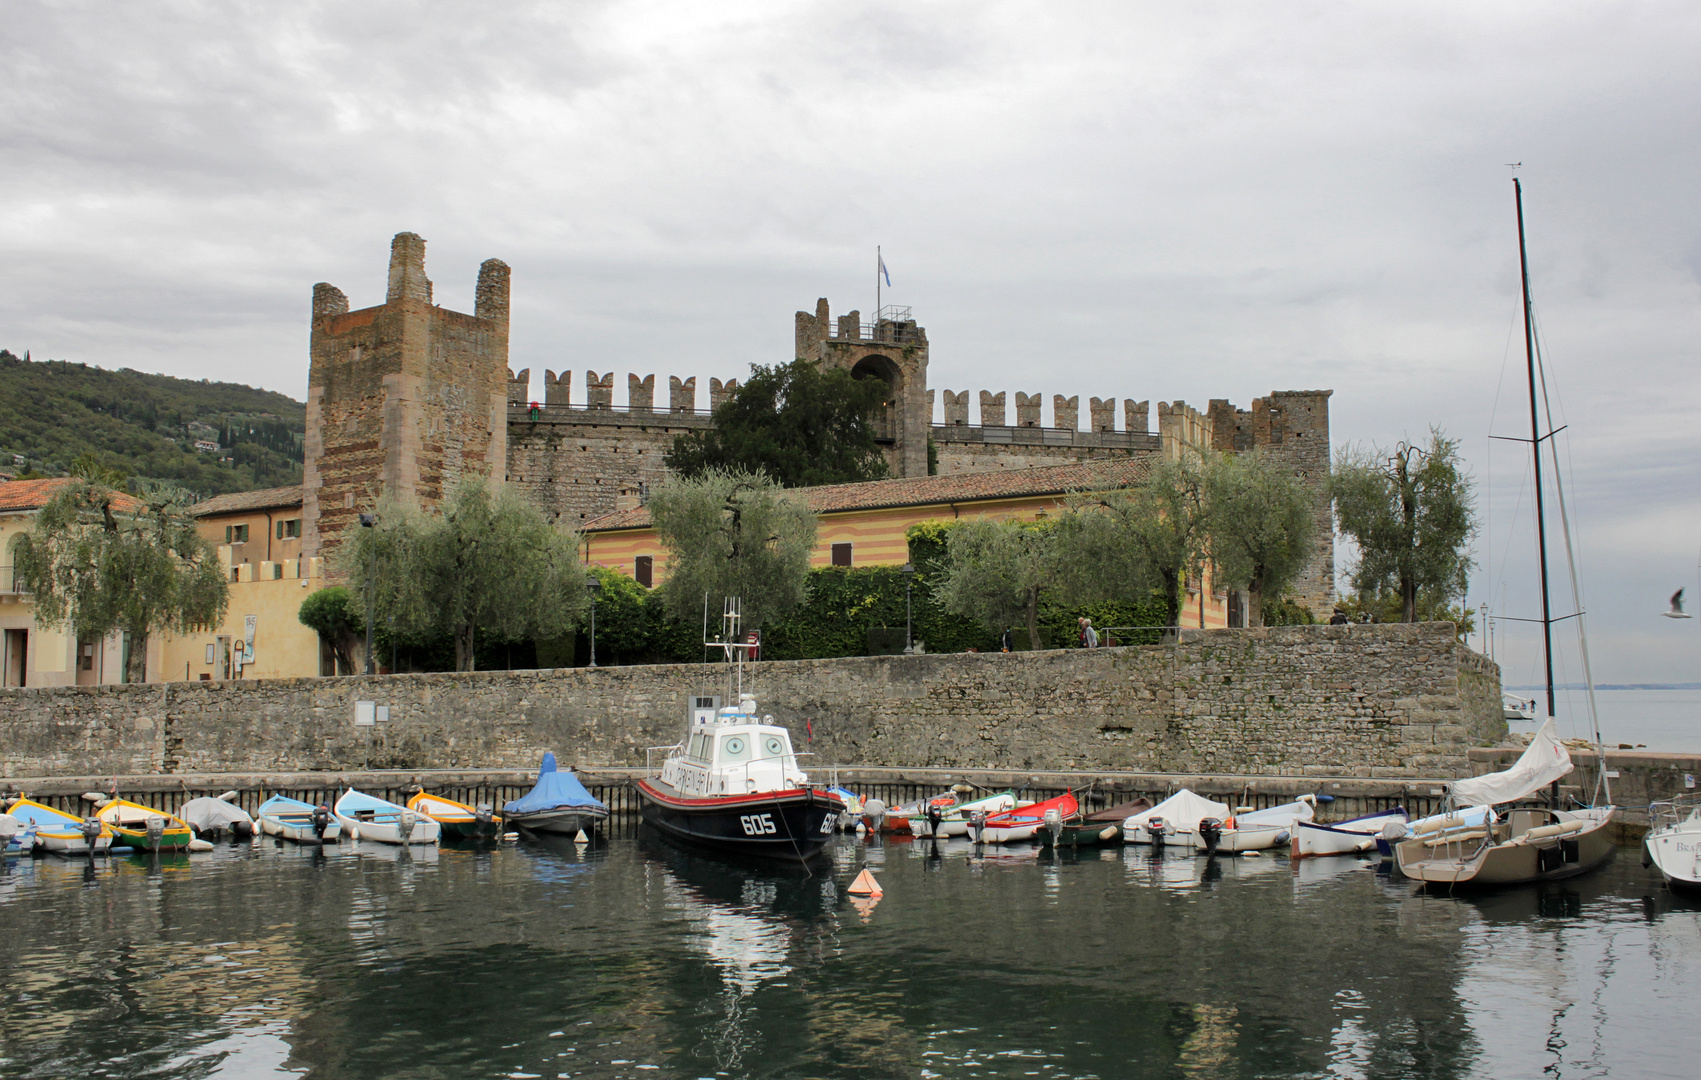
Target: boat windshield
x=699, y=748
x=735, y=748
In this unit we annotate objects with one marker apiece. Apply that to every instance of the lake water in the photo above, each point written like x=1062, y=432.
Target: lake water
x=633, y=959
x=1658, y=719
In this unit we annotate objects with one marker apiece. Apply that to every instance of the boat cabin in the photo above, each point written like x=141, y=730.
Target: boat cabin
x=731, y=751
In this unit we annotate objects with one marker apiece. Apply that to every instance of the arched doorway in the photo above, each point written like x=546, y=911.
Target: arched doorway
x=880, y=367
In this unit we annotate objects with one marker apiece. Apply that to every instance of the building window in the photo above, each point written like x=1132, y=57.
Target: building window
x=236, y=573
x=277, y=571
x=642, y=570
x=236, y=534
x=290, y=529
x=841, y=554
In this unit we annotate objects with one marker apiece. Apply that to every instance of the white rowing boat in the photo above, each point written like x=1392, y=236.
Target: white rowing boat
x=367, y=817
x=1349, y=837
x=302, y=822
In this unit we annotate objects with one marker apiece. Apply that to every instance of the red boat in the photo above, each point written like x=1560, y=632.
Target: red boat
x=1025, y=822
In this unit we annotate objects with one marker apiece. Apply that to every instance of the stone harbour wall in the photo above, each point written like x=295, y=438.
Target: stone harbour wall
x=1347, y=701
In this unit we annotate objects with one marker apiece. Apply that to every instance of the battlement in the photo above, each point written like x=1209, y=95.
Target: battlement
x=599, y=394
x=1065, y=412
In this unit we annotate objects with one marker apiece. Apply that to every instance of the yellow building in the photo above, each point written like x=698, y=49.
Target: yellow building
x=258, y=538
x=863, y=524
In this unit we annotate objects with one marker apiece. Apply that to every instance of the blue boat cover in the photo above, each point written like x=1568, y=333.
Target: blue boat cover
x=553, y=789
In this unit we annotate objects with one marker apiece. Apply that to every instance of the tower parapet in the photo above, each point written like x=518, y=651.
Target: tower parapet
x=403, y=399
x=892, y=349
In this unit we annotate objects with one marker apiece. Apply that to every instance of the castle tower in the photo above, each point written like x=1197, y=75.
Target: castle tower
x=893, y=350
x=403, y=399
x=1293, y=427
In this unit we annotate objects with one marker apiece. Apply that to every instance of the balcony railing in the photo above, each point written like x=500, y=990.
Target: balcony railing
x=9, y=583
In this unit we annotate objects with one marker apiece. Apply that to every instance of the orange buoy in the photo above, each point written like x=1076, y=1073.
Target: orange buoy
x=865, y=885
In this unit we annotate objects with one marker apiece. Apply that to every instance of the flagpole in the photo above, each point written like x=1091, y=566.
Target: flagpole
x=878, y=263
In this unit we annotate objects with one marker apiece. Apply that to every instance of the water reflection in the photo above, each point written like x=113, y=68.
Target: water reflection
x=555, y=959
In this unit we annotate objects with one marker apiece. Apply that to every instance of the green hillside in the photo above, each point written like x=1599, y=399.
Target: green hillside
x=53, y=411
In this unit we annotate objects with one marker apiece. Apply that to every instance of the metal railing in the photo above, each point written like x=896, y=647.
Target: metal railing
x=9, y=582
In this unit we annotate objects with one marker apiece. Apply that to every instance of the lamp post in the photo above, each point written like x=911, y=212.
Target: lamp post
x=594, y=586
x=909, y=583
x=368, y=521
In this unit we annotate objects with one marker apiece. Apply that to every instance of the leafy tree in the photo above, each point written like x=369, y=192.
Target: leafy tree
x=335, y=615
x=99, y=561
x=729, y=532
x=1259, y=525
x=793, y=422
x=1125, y=544
x=476, y=562
x=1411, y=512
x=994, y=571
x=625, y=620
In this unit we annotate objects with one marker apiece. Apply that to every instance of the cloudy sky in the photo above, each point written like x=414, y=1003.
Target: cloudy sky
x=1146, y=200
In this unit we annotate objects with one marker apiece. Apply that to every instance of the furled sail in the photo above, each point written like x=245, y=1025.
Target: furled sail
x=1544, y=761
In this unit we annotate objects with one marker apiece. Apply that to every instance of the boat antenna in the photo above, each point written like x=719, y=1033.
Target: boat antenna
x=732, y=618
x=1535, y=444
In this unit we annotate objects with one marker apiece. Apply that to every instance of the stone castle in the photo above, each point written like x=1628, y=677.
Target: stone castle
x=406, y=397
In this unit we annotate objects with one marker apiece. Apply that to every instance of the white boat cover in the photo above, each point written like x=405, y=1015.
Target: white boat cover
x=209, y=814
x=1543, y=762
x=1284, y=815
x=1184, y=810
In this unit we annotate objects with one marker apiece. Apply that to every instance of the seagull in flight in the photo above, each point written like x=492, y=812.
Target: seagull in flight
x=1676, y=611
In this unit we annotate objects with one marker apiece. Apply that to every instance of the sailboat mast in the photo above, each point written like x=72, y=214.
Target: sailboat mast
x=1535, y=445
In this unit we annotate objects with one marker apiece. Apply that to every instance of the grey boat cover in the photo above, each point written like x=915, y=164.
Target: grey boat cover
x=1543, y=762
x=554, y=790
x=205, y=815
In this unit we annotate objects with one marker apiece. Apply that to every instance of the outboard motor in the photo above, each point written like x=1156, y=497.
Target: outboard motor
x=874, y=811
x=1054, y=824
x=321, y=821
x=934, y=816
x=485, y=815
x=977, y=825
x=1155, y=833
x=404, y=825
x=1211, y=832
x=90, y=828
x=156, y=831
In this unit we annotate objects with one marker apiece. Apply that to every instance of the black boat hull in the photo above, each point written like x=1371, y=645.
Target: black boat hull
x=792, y=825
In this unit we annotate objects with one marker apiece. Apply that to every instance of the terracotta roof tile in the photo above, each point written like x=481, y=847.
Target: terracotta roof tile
x=928, y=490
x=16, y=495
x=239, y=501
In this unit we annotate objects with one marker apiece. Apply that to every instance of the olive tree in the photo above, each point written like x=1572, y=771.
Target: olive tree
x=1259, y=525
x=98, y=561
x=339, y=618
x=1411, y=512
x=729, y=532
x=994, y=571
x=476, y=561
x=1127, y=543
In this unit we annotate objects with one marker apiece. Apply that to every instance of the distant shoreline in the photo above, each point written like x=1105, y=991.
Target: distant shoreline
x=1613, y=686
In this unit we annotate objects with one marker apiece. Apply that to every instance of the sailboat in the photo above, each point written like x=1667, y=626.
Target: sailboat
x=1526, y=844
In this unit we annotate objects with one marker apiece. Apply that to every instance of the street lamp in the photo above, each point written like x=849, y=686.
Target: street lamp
x=368, y=521
x=909, y=583
x=593, y=586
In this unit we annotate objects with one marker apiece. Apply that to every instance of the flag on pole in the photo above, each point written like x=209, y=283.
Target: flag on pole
x=883, y=272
